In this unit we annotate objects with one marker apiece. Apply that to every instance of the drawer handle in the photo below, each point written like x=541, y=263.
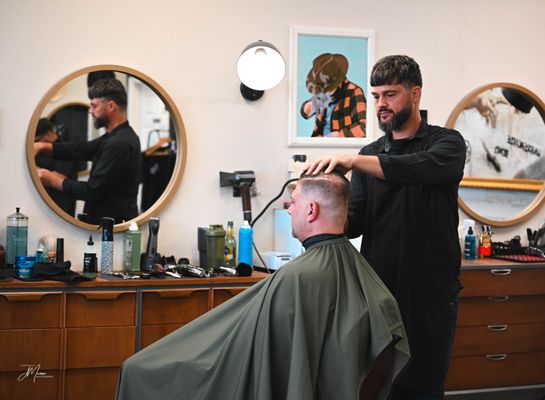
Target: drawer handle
x=26, y=297
x=178, y=294
x=500, y=272
x=101, y=295
x=496, y=357
x=497, y=328
x=498, y=299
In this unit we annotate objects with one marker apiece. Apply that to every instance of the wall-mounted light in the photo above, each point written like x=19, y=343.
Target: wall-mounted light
x=260, y=67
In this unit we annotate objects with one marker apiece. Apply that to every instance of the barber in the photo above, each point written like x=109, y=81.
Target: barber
x=403, y=200
x=112, y=187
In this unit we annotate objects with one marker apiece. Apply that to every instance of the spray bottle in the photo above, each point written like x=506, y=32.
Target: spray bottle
x=90, y=259
x=107, y=255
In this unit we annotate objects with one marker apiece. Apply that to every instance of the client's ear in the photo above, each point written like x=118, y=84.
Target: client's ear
x=313, y=211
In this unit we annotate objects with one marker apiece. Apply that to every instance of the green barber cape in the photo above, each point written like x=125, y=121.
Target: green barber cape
x=312, y=330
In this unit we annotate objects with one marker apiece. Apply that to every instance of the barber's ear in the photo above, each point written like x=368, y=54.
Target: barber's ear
x=417, y=93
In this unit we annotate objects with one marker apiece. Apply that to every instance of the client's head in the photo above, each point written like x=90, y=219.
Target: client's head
x=319, y=205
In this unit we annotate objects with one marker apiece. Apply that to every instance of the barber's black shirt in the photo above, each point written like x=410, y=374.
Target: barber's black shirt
x=112, y=187
x=409, y=224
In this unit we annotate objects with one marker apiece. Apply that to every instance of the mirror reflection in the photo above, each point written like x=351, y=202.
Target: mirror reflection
x=504, y=128
x=106, y=141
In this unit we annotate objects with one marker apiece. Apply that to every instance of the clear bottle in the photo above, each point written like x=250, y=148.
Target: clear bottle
x=245, y=241
x=131, y=255
x=17, y=236
x=230, y=246
x=90, y=259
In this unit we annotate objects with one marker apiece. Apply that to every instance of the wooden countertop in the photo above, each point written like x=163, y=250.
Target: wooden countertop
x=487, y=262
x=153, y=282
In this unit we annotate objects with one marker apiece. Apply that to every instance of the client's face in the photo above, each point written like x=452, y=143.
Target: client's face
x=298, y=212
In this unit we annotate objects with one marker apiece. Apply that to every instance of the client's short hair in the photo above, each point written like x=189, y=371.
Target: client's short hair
x=332, y=188
x=44, y=126
x=110, y=89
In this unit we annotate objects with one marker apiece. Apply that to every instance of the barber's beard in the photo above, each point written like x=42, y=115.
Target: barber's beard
x=397, y=120
x=321, y=101
x=100, y=122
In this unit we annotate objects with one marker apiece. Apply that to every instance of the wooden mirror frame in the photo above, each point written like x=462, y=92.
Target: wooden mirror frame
x=495, y=183
x=181, y=148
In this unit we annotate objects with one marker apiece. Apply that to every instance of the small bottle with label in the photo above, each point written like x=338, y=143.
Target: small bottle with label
x=230, y=246
x=90, y=259
x=470, y=243
x=107, y=254
x=131, y=255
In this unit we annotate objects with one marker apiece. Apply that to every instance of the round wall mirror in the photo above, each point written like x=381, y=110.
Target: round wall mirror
x=150, y=112
x=504, y=128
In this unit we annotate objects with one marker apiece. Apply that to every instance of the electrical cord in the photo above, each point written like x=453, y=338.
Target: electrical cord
x=262, y=212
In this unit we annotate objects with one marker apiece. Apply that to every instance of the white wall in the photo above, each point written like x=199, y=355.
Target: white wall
x=190, y=48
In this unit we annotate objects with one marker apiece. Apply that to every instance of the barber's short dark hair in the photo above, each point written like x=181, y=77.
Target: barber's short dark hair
x=110, y=89
x=44, y=126
x=396, y=70
x=94, y=76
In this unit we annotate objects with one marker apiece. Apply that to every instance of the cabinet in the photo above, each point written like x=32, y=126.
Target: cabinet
x=66, y=342
x=500, y=335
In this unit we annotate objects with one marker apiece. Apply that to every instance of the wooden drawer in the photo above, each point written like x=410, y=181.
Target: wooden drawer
x=497, y=310
x=221, y=295
x=496, y=370
x=152, y=333
x=99, y=347
x=23, y=386
x=104, y=308
x=171, y=306
x=91, y=384
x=30, y=310
x=503, y=281
x=30, y=347
x=493, y=339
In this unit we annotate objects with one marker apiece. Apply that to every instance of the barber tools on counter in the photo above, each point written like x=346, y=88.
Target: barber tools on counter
x=90, y=259
x=151, y=256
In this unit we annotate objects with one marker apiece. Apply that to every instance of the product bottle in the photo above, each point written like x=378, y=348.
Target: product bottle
x=230, y=246
x=17, y=236
x=131, y=259
x=90, y=259
x=245, y=241
x=470, y=243
x=215, y=246
x=107, y=255
x=40, y=256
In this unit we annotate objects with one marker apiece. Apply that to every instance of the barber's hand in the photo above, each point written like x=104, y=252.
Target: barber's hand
x=486, y=108
x=51, y=178
x=343, y=164
x=44, y=147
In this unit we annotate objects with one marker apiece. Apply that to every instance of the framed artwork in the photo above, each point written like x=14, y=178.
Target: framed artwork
x=328, y=87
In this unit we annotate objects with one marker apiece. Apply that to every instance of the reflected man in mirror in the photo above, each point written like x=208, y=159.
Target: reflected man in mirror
x=112, y=187
x=338, y=105
x=323, y=326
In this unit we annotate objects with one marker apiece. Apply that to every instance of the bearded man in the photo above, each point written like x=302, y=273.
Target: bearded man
x=112, y=187
x=403, y=201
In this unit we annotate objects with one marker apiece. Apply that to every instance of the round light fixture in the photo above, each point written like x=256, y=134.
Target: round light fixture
x=260, y=67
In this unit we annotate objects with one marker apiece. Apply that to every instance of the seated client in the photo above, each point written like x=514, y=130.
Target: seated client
x=322, y=327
